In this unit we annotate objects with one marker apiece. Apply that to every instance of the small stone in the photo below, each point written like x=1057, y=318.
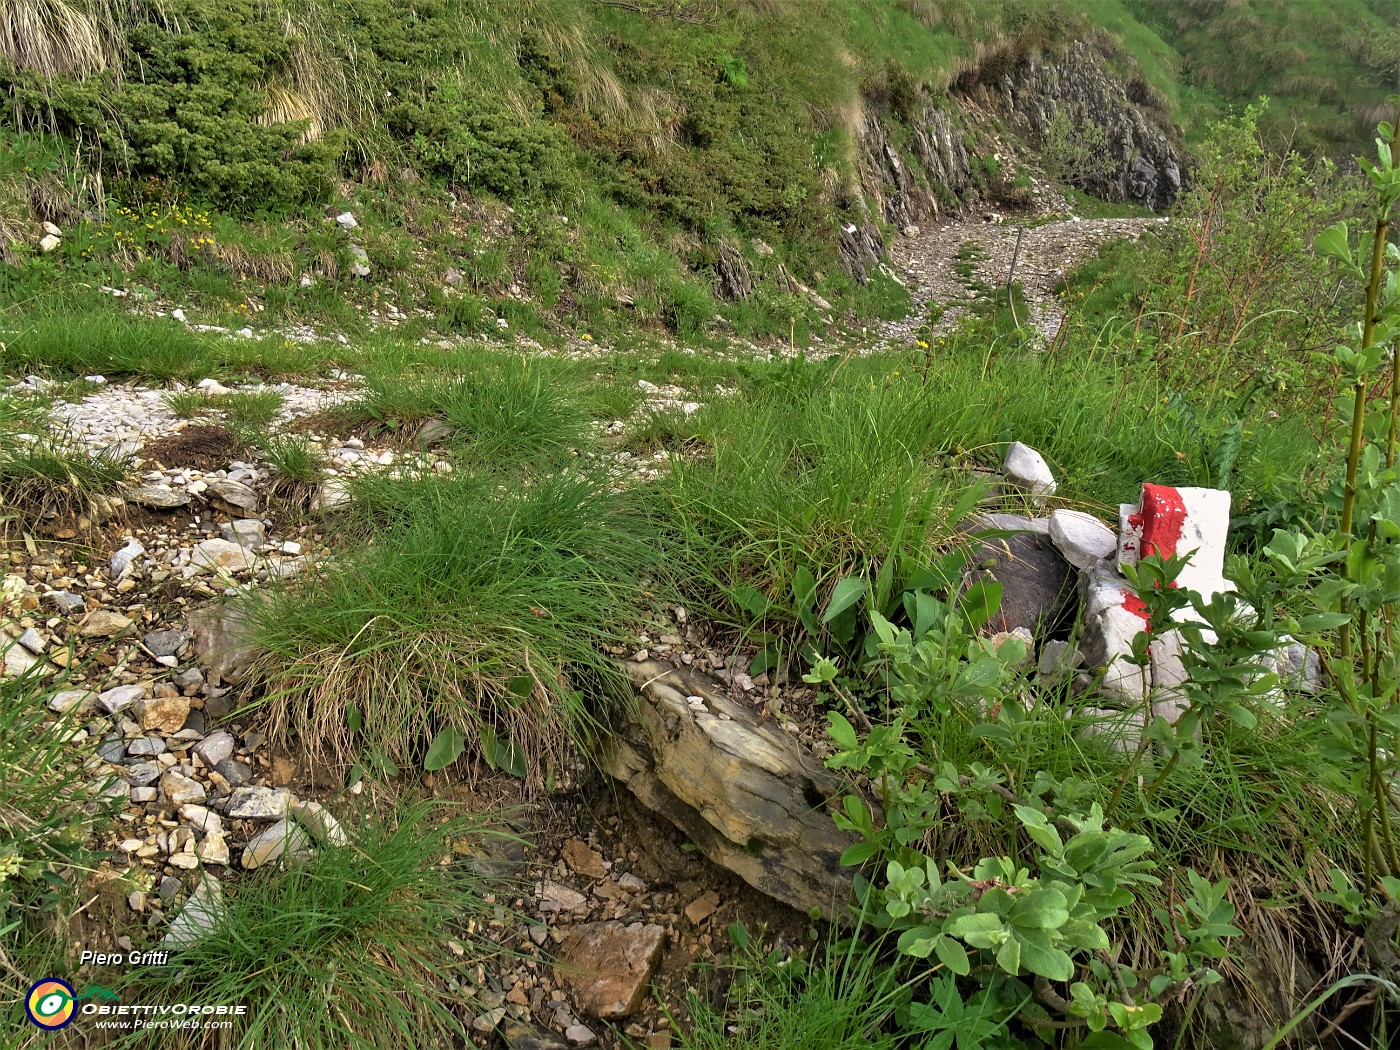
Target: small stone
x=580, y=1035
x=214, y=748
x=359, y=264
x=246, y=532
x=200, y=916
x=103, y=623
x=332, y=495
x=166, y=714
x=582, y=860
x=1025, y=469
x=190, y=678
x=202, y=819
x=317, y=819
x=700, y=909
x=272, y=842
x=136, y=900
x=184, y=861
x=165, y=643
x=555, y=898
x=159, y=497
x=49, y=242
x=234, y=493
x=66, y=602
x=213, y=850
x=69, y=699
x=1082, y=538
x=221, y=556
x=607, y=966
x=180, y=789
x=124, y=560
x=146, y=746
x=139, y=774
x=346, y=221
x=259, y=803
x=143, y=795
x=236, y=773
x=111, y=750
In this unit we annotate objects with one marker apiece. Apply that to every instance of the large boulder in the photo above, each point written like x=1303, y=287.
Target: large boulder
x=746, y=793
x=1037, y=584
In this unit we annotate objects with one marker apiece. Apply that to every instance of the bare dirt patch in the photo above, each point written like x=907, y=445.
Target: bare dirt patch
x=202, y=446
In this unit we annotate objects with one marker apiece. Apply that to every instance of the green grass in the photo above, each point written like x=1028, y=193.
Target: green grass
x=54, y=479
x=186, y=404
x=103, y=341
x=838, y=995
x=250, y=408
x=463, y=609
x=348, y=949
x=294, y=458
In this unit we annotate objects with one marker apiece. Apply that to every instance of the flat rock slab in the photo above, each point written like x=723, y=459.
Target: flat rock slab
x=607, y=966
x=748, y=795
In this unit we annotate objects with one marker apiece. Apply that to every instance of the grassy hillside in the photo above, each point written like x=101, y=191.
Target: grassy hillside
x=574, y=166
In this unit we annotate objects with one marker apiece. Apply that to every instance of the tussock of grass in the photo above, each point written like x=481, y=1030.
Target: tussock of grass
x=247, y=408
x=55, y=478
x=468, y=607
x=346, y=950
x=186, y=404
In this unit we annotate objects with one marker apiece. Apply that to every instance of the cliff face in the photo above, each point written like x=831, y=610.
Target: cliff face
x=917, y=171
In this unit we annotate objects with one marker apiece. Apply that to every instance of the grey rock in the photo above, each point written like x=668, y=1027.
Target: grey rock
x=255, y=802
x=1025, y=470
x=273, y=842
x=77, y=700
x=246, y=532
x=194, y=725
x=165, y=643
x=346, y=221
x=159, y=497
x=319, y=821
x=103, y=623
x=189, y=678
x=1082, y=538
x=119, y=697
x=1038, y=585
x=201, y=915
x=221, y=556
x=141, y=774
x=31, y=640
x=180, y=789
x=214, y=748
x=518, y=1036
x=202, y=819
x=359, y=261
x=236, y=773
x=124, y=560
x=145, y=746
x=143, y=794
x=111, y=750
x=996, y=522
x=433, y=432
x=747, y=794
x=332, y=495
x=234, y=493
x=220, y=640
x=66, y=602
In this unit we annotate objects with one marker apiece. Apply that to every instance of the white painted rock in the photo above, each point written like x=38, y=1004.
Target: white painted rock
x=1081, y=538
x=1171, y=521
x=1025, y=469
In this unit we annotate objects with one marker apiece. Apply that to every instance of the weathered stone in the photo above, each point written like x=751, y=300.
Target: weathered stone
x=220, y=642
x=159, y=497
x=1081, y=538
x=202, y=819
x=103, y=623
x=200, y=916
x=259, y=803
x=246, y=532
x=702, y=907
x=119, y=697
x=1037, y=584
x=997, y=522
x=555, y=898
x=747, y=794
x=234, y=493
x=140, y=774
x=318, y=820
x=180, y=789
x=69, y=699
x=582, y=860
x=517, y=1036
x=1026, y=471
x=432, y=432
x=145, y=746
x=17, y=660
x=273, y=842
x=214, y=748
x=221, y=556
x=66, y=602
x=213, y=849
x=165, y=643
x=607, y=966
x=166, y=714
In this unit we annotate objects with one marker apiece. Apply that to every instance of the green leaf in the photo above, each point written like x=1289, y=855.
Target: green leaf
x=1334, y=243
x=841, y=731
x=1323, y=621
x=849, y=591
x=502, y=754
x=980, y=602
x=354, y=720
x=445, y=749
x=952, y=955
x=522, y=685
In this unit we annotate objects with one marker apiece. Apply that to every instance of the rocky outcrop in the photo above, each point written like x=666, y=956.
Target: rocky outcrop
x=744, y=791
x=1141, y=164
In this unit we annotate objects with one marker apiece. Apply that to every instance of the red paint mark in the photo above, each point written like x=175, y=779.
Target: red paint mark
x=1163, y=514
x=1136, y=606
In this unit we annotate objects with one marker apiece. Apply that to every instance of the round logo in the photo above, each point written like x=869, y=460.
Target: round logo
x=51, y=1003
